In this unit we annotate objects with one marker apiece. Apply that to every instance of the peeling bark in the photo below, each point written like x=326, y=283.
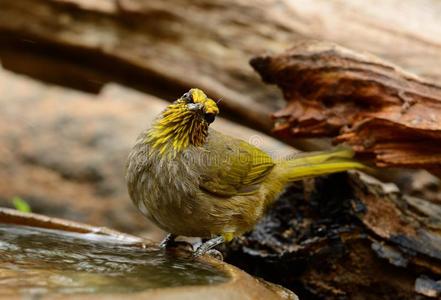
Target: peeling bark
x=383, y=112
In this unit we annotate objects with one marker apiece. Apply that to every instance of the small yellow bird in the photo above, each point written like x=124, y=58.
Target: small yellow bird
x=192, y=180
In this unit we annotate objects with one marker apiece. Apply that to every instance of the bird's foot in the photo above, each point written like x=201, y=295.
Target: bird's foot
x=215, y=254
x=208, y=245
x=171, y=246
x=167, y=241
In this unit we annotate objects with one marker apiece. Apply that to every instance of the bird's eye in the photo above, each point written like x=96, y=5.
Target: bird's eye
x=187, y=96
x=209, y=117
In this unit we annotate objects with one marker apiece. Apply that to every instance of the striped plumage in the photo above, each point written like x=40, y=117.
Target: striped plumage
x=194, y=181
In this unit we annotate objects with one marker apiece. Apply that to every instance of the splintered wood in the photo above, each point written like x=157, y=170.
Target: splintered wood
x=383, y=112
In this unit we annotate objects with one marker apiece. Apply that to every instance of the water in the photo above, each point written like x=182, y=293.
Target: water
x=37, y=261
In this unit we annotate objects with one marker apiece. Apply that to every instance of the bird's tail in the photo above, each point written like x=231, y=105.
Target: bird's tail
x=312, y=164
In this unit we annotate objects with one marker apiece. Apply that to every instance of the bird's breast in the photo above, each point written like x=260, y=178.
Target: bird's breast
x=166, y=190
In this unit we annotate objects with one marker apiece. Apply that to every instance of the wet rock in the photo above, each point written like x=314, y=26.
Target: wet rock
x=51, y=258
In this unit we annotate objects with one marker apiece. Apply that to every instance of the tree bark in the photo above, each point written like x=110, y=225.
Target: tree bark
x=380, y=110
x=352, y=237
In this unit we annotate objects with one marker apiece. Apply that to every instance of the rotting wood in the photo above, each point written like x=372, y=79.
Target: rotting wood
x=383, y=112
x=353, y=237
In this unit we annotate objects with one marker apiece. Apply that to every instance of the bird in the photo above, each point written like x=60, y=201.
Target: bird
x=194, y=181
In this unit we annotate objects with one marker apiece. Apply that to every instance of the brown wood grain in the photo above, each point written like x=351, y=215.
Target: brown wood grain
x=379, y=109
x=166, y=47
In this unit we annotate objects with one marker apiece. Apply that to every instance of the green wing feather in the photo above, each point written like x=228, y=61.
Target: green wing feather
x=235, y=166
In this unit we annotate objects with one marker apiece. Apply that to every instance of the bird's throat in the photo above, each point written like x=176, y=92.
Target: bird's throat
x=176, y=130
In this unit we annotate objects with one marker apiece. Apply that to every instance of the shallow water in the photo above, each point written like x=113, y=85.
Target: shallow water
x=39, y=261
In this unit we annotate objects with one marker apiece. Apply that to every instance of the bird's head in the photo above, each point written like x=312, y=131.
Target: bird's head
x=199, y=106
x=183, y=123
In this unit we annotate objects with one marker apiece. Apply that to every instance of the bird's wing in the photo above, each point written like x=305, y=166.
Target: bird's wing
x=234, y=167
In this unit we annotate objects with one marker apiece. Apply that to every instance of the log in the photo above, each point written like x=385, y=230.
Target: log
x=165, y=47
x=383, y=112
x=154, y=46
x=367, y=241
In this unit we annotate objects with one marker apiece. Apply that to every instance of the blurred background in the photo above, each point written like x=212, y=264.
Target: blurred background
x=79, y=80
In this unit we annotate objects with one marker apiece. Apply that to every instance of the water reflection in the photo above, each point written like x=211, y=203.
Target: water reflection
x=39, y=261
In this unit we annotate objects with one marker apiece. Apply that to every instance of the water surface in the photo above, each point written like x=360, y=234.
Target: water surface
x=39, y=261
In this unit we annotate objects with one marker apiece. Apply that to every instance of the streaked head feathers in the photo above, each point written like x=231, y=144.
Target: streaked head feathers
x=183, y=123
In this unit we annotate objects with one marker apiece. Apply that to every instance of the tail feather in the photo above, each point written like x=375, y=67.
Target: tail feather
x=320, y=156
x=320, y=163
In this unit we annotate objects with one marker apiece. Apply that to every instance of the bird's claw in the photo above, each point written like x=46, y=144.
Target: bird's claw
x=208, y=245
x=169, y=239
x=199, y=251
x=215, y=254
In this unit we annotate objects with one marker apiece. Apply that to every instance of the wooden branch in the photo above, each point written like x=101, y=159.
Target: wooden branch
x=392, y=116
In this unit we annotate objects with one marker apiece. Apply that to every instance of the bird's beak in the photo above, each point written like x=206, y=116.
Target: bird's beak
x=194, y=106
